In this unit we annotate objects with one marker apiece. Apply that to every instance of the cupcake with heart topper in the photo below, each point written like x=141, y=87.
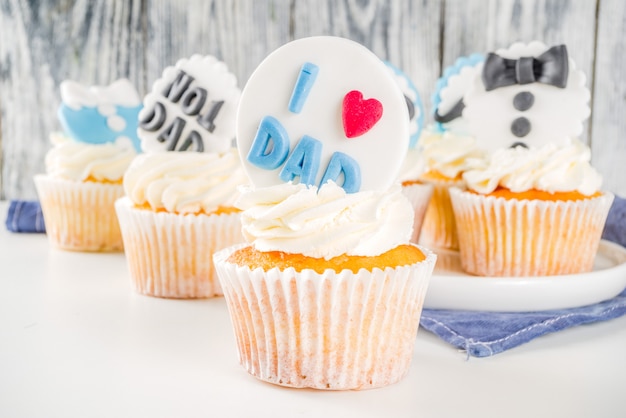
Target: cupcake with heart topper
x=327, y=292
x=445, y=151
x=535, y=207
x=85, y=166
x=179, y=192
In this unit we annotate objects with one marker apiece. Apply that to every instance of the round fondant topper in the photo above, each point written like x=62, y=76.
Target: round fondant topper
x=527, y=95
x=413, y=101
x=192, y=107
x=100, y=114
x=319, y=109
x=448, y=97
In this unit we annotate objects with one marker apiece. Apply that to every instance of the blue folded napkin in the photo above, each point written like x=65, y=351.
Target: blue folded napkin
x=483, y=334
x=25, y=216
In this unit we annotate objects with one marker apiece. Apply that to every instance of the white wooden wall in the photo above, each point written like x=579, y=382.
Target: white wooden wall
x=97, y=41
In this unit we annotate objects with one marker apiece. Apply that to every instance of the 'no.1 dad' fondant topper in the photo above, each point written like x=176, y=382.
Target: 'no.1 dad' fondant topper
x=319, y=109
x=100, y=114
x=192, y=107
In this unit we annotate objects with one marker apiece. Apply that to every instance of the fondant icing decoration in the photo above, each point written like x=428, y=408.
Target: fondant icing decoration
x=359, y=115
x=192, y=107
x=447, y=100
x=100, y=114
x=413, y=101
x=551, y=67
x=307, y=76
x=307, y=143
x=528, y=94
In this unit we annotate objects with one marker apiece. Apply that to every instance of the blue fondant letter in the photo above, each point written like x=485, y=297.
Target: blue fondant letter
x=306, y=78
x=304, y=161
x=266, y=155
x=341, y=163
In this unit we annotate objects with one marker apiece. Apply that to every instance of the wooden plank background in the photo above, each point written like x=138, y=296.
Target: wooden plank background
x=97, y=41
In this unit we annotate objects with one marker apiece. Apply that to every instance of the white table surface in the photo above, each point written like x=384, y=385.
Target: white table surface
x=75, y=341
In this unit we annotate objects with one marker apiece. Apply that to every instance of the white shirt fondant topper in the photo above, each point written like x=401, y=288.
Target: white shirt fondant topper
x=527, y=94
x=192, y=107
x=323, y=108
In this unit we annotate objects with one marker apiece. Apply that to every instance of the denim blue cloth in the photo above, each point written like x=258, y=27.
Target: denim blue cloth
x=615, y=228
x=483, y=334
x=25, y=216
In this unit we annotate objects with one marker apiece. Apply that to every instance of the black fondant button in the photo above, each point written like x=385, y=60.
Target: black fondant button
x=520, y=127
x=523, y=101
x=518, y=144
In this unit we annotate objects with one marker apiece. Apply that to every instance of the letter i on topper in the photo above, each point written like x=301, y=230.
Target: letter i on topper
x=319, y=109
x=192, y=107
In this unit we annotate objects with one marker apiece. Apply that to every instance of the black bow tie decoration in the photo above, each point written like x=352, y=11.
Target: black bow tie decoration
x=551, y=68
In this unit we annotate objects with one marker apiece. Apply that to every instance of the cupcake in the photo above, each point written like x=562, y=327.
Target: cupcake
x=85, y=166
x=327, y=291
x=531, y=212
x=535, y=208
x=177, y=210
x=444, y=151
x=418, y=193
x=443, y=159
x=316, y=304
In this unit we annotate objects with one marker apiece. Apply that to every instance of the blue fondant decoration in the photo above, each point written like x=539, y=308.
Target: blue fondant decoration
x=304, y=161
x=306, y=78
x=89, y=126
x=268, y=155
x=342, y=163
x=417, y=115
x=448, y=72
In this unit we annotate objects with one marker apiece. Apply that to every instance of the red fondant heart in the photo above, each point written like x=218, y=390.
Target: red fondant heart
x=359, y=116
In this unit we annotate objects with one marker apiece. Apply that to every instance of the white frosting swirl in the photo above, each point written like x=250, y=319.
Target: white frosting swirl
x=185, y=182
x=413, y=166
x=79, y=161
x=325, y=223
x=449, y=154
x=549, y=168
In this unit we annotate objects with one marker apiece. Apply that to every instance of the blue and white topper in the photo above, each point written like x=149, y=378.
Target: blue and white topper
x=100, y=114
x=413, y=101
x=447, y=100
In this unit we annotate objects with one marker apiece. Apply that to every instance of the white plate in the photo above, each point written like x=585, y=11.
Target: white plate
x=451, y=288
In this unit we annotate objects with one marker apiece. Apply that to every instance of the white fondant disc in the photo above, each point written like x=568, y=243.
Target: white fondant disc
x=210, y=74
x=556, y=115
x=344, y=66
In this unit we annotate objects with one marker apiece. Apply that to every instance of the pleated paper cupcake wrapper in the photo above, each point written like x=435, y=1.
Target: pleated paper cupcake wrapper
x=170, y=255
x=332, y=331
x=439, y=227
x=508, y=237
x=80, y=216
x=419, y=195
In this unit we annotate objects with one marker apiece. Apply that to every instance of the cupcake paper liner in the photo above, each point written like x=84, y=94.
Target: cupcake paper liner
x=439, y=227
x=419, y=195
x=170, y=255
x=509, y=237
x=325, y=331
x=80, y=216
